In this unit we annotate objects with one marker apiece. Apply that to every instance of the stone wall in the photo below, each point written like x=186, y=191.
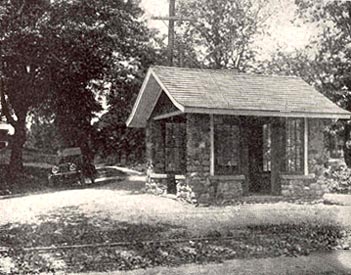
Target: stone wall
x=157, y=184
x=198, y=185
x=317, y=151
x=300, y=186
x=198, y=155
x=215, y=189
x=227, y=188
x=184, y=190
x=308, y=186
x=206, y=188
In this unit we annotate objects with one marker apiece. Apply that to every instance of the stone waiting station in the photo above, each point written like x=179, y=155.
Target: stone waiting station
x=219, y=134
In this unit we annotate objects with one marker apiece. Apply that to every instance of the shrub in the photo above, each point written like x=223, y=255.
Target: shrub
x=337, y=179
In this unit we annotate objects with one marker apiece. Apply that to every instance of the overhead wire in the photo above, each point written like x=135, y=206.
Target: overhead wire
x=195, y=62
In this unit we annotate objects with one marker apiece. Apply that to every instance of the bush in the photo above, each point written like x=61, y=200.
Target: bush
x=337, y=179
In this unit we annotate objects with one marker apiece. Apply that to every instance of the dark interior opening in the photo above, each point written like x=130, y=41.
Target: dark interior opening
x=259, y=143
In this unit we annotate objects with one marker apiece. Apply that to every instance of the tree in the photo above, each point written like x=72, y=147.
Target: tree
x=333, y=54
x=23, y=68
x=324, y=63
x=113, y=137
x=56, y=60
x=223, y=32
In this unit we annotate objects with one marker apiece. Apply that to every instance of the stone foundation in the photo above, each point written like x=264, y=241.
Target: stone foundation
x=227, y=187
x=300, y=186
x=184, y=191
x=215, y=189
x=158, y=183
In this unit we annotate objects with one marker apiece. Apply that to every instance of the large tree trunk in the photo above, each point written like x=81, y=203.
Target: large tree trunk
x=17, y=142
x=88, y=159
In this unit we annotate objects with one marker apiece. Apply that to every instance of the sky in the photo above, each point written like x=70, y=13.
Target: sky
x=283, y=32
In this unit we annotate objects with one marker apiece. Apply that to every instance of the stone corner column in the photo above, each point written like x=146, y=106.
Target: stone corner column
x=198, y=156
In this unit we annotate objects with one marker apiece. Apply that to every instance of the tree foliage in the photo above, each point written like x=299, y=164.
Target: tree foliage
x=113, y=137
x=23, y=68
x=325, y=62
x=333, y=54
x=57, y=57
x=223, y=32
x=43, y=135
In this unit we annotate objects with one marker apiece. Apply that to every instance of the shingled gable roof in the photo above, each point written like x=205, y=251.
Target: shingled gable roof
x=229, y=92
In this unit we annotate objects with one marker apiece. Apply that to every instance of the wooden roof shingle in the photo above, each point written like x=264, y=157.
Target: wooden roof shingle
x=230, y=92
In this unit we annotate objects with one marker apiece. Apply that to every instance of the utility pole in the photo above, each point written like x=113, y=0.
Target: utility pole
x=171, y=32
x=172, y=18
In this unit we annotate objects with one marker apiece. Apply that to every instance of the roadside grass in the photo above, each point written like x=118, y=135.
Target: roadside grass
x=71, y=226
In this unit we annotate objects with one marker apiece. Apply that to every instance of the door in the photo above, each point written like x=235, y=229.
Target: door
x=259, y=143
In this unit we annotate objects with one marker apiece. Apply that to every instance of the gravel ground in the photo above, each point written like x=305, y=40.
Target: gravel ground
x=121, y=201
x=332, y=263
x=124, y=207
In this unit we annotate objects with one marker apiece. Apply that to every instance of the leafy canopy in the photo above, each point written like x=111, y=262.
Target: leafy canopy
x=223, y=32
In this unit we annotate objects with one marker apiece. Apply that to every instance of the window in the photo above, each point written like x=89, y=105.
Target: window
x=175, y=147
x=227, y=148
x=294, y=138
x=267, y=141
x=335, y=145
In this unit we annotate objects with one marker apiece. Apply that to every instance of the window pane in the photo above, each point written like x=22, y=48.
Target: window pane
x=175, y=142
x=227, y=144
x=294, y=145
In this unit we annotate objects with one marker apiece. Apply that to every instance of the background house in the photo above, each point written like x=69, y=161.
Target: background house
x=225, y=134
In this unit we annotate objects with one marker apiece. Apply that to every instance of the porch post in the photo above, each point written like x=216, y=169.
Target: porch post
x=212, y=157
x=305, y=146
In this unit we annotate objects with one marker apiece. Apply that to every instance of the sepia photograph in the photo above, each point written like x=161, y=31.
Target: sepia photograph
x=174, y=137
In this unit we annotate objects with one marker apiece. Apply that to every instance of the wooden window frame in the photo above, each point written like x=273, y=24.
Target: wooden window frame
x=181, y=148
x=214, y=168
x=303, y=167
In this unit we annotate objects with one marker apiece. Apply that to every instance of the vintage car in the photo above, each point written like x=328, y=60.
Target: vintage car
x=69, y=168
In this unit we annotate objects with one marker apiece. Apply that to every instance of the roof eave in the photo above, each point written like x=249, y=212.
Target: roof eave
x=267, y=113
x=129, y=121
x=135, y=124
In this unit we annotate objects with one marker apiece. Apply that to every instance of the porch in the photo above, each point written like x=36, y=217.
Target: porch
x=222, y=157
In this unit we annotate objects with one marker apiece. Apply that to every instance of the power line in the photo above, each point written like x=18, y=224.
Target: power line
x=171, y=18
x=174, y=18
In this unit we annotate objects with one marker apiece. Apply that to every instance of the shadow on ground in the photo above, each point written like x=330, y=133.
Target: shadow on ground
x=69, y=227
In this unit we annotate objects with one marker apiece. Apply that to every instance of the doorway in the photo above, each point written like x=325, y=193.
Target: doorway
x=260, y=157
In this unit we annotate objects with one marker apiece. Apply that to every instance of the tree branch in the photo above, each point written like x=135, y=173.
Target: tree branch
x=20, y=10
x=57, y=59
